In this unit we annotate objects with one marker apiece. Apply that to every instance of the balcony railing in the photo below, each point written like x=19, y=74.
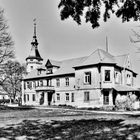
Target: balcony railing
x=47, y=88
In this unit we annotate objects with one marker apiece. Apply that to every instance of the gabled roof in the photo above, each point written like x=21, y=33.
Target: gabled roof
x=51, y=62
x=98, y=56
x=67, y=66
x=121, y=59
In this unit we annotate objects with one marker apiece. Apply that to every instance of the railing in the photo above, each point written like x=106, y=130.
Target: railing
x=44, y=87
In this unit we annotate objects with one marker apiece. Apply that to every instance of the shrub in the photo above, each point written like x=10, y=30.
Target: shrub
x=125, y=102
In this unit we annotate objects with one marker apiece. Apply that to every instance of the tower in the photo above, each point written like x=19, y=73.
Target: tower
x=34, y=60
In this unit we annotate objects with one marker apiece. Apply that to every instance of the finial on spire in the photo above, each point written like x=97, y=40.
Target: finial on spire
x=34, y=42
x=34, y=20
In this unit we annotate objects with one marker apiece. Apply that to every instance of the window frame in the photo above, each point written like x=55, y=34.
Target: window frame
x=58, y=96
x=106, y=98
x=86, y=96
x=67, y=81
x=72, y=97
x=128, y=79
x=28, y=98
x=87, y=78
x=108, y=78
x=58, y=82
x=33, y=97
x=67, y=97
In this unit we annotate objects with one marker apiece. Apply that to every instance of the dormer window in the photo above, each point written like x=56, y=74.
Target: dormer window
x=128, y=79
x=117, y=77
x=39, y=72
x=49, y=71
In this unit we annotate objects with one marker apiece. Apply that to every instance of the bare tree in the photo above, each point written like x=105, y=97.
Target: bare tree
x=6, y=42
x=13, y=73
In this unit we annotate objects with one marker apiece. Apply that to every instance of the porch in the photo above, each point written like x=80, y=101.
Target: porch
x=45, y=95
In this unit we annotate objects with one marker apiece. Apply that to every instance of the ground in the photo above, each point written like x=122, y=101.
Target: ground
x=67, y=124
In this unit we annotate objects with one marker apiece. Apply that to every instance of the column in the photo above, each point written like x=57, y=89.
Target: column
x=45, y=98
x=111, y=97
x=22, y=93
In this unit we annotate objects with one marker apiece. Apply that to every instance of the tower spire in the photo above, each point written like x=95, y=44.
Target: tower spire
x=34, y=20
x=34, y=42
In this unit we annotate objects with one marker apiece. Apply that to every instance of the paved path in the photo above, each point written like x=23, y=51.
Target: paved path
x=93, y=111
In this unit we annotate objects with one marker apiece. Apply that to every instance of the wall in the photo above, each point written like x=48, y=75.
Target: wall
x=95, y=78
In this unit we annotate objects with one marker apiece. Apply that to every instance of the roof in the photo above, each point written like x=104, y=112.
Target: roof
x=67, y=66
x=121, y=59
x=34, y=54
x=51, y=62
x=122, y=88
x=98, y=56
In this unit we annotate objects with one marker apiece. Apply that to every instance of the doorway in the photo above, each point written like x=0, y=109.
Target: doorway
x=106, y=97
x=50, y=98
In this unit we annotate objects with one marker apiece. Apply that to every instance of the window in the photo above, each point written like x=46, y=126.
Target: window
x=34, y=84
x=41, y=83
x=116, y=77
x=106, y=97
x=128, y=79
x=49, y=71
x=72, y=97
x=107, y=75
x=86, y=96
x=67, y=81
x=58, y=82
x=49, y=82
x=29, y=85
x=58, y=97
x=25, y=85
x=28, y=97
x=87, y=78
x=33, y=97
x=39, y=72
x=67, y=96
x=38, y=83
x=31, y=67
x=24, y=97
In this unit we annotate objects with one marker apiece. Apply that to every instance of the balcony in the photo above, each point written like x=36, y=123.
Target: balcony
x=45, y=88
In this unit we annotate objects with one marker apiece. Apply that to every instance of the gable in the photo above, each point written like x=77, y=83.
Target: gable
x=48, y=63
x=128, y=63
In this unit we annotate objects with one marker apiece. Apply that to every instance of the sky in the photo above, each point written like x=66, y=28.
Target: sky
x=61, y=40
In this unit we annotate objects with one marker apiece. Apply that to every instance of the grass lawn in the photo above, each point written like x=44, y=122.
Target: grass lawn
x=41, y=124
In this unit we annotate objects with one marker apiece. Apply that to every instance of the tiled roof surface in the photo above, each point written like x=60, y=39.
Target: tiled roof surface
x=67, y=66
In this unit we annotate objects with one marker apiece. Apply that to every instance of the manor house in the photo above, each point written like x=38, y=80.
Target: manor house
x=91, y=81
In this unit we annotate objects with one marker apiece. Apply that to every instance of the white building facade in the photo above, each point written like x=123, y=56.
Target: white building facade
x=92, y=81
